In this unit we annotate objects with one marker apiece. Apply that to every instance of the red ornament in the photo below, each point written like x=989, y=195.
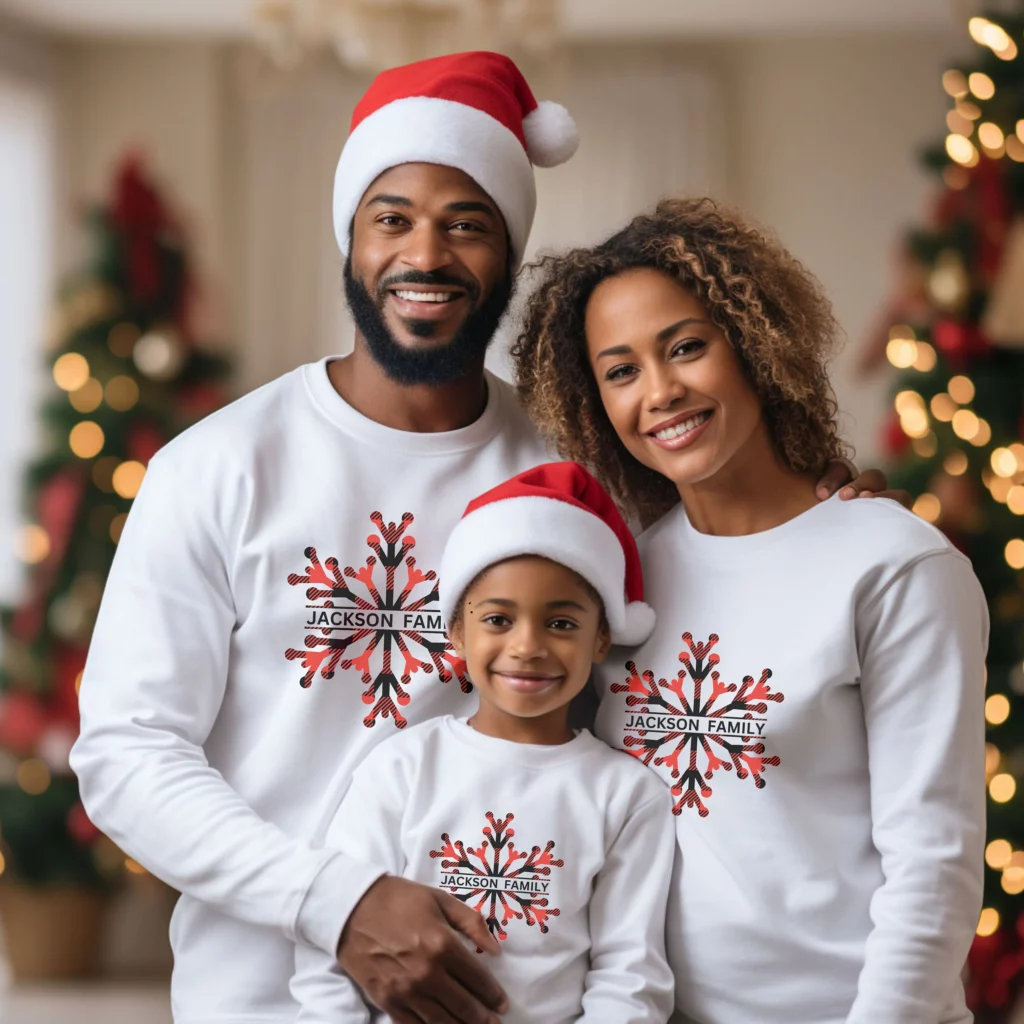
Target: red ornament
x=959, y=342
x=80, y=826
x=143, y=442
x=894, y=440
x=68, y=665
x=23, y=719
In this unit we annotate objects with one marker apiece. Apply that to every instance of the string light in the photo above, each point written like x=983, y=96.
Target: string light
x=1008, y=52
x=958, y=124
x=997, y=709
x=1004, y=462
x=33, y=776
x=976, y=27
x=992, y=759
x=961, y=389
x=901, y=352
x=1014, y=553
x=961, y=149
x=1013, y=880
x=999, y=487
x=86, y=439
x=955, y=83
x=997, y=854
x=33, y=544
x=1015, y=500
x=928, y=507
x=1015, y=149
x=968, y=109
x=122, y=393
x=990, y=135
x=128, y=478
x=1017, y=449
x=943, y=407
x=955, y=463
x=1002, y=787
x=988, y=922
x=982, y=435
x=926, y=357
x=965, y=424
x=117, y=526
x=88, y=397
x=981, y=85
x=70, y=371
x=926, y=446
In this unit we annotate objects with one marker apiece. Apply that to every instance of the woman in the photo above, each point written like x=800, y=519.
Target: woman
x=813, y=692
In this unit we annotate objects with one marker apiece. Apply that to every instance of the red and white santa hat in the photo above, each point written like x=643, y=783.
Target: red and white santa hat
x=560, y=512
x=473, y=111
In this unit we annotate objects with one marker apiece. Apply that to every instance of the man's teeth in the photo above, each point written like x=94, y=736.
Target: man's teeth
x=425, y=296
x=681, y=428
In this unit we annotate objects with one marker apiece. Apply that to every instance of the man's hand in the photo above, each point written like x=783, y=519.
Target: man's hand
x=842, y=476
x=403, y=946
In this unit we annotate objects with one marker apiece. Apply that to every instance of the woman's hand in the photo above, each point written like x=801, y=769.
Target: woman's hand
x=841, y=475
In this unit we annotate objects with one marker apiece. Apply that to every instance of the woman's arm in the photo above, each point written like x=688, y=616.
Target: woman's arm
x=922, y=643
x=629, y=981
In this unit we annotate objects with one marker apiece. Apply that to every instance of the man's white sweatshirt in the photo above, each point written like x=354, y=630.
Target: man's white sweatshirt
x=270, y=617
x=566, y=850
x=814, y=695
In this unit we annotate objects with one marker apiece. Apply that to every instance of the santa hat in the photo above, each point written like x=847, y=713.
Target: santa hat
x=560, y=512
x=473, y=111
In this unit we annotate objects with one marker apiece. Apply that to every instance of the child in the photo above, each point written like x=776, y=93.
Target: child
x=564, y=845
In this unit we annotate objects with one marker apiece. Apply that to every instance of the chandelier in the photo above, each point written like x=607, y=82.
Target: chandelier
x=370, y=35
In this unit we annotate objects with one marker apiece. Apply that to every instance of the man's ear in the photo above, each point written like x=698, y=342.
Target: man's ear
x=602, y=644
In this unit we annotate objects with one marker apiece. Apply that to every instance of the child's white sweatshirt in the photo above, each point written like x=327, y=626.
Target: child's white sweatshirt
x=566, y=850
x=271, y=615
x=814, y=695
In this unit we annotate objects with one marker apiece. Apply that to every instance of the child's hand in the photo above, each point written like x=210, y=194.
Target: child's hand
x=403, y=946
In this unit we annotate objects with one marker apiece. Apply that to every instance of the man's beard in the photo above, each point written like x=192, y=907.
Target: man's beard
x=439, y=365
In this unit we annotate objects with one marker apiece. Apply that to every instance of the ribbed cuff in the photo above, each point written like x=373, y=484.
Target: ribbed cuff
x=339, y=885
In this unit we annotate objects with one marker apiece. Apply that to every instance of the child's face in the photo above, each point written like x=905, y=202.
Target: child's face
x=530, y=631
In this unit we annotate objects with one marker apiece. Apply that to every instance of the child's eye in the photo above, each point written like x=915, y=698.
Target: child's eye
x=562, y=625
x=497, y=620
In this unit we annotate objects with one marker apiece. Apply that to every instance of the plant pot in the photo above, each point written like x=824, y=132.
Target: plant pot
x=51, y=932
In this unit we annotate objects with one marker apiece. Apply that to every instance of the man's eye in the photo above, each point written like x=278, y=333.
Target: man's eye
x=390, y=220
x=465, y=225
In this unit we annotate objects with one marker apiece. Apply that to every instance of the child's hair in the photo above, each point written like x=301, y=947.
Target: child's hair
x=456, y=621
x=771, y=309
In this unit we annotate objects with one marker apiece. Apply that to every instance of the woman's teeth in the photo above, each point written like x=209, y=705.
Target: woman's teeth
x=681, y=428
x=425, y=296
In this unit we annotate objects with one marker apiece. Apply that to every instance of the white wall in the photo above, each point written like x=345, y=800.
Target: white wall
x=824, y=140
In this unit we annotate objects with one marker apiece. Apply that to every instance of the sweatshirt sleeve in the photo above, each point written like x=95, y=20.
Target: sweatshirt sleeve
x=630, y=981
x=922, y=646
x=151, y=692
x=368, y=827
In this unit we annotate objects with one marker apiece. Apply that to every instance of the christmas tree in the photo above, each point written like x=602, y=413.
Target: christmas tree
x=128, y=377
x=955, y=329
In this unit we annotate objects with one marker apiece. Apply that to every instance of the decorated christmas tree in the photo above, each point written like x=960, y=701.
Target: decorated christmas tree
x=127, y=376
x=955, y=329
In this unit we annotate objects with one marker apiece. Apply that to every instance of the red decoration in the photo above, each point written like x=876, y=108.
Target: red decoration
x=894, y=440
x=141, y=216
x=80, y=826
x=23, y=720
x=143, y=442
x=199, y=400
x=959, y=342
x=69, y=662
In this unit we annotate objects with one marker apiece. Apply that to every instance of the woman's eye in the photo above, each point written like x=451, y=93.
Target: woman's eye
x=687, y=347
x=623, y=372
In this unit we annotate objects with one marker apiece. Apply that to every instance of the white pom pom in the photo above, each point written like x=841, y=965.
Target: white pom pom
x=639, y=624
x=551, y=134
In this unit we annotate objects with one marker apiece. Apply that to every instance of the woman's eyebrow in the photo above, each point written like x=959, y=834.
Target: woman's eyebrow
x=666, y=332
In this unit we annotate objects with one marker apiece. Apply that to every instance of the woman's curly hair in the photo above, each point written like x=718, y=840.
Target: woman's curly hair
x=771, y=309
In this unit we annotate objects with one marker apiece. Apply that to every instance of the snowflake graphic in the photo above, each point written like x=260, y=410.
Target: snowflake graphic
x=497, y=879
x=691, y=736
x=359, y=622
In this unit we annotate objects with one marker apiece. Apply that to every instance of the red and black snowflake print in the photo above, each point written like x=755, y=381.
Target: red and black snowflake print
x=502, y=883
x=693, y=729
x=358, y=620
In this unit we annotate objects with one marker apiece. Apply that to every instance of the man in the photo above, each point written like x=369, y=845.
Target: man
x=272, y=612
